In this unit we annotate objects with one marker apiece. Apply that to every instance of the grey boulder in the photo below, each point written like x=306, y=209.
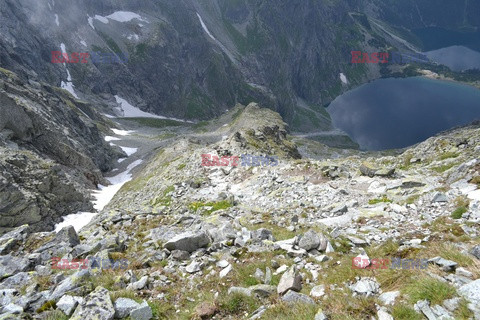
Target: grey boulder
x=68, y=235
x=188, y=241
x=295, y=297
x=309, y=241
x=123, y=307
x=144, y=312
x=97, y=305
x=290, y=280
x=446, y=265
x=475, y=251
x=68, y=304
x=262, y=234
x=471, y=292
x=11, y=239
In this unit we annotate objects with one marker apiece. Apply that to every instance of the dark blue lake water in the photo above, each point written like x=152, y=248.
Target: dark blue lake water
x=457, y=58
x=396, y=113
x=433, y=38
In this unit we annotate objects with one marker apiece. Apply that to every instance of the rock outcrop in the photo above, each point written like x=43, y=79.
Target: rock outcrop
x=51, y=153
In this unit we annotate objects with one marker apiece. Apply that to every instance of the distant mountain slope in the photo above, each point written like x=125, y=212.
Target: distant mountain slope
x=192, y=60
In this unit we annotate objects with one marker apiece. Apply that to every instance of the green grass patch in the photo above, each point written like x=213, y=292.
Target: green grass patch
x=285, y=311
x=342, y=245
x=429, y=289
x=447, y=226
x=200, y=125
x=450, y=252
x=443, y=168
x=342, y=272
x=8, y=73
x=279, y=233
x=156, y=123
x=243, y=273
x=237, y=304
x=213, y=206
x=476, y=180
x=181, y=167
x=342, y=306
x=379, y=200
x=457, y=214
x=405, y=312
x=164, y=199
x=161, y=309
x=56, y=315
x=462, y=311
x=412, y=199
x=448, y=155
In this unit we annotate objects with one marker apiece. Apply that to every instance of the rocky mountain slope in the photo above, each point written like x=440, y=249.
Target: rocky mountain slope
x=193, y=60
x=52, y=152
x=303, y=239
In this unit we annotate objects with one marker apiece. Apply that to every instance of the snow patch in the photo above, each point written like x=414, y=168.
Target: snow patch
x=205, y=27
x=56, y=20
x=106, y=193
x=69, y=87
x=76, y=220
x=101, y=19
x=102, y=198
x=62, y=46
x=125, y=16
x=109, y=138
x=133, y=37
x=343, y=78
x=90, y=22
x=83, y=43
x=69, y=77
x=122, y=132
x=69, y=84
x=130, y=111
x=224, y=49
x=129, y=151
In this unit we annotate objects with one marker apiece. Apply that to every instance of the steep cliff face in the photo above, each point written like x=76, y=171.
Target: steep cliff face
x=36, y=191
x=51, y=153
x=190, y=59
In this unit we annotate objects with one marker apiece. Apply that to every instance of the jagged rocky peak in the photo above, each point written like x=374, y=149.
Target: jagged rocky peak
x=256, y=130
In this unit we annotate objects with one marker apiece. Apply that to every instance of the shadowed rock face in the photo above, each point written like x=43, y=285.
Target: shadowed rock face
x=35, y=192
x=51, y=153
